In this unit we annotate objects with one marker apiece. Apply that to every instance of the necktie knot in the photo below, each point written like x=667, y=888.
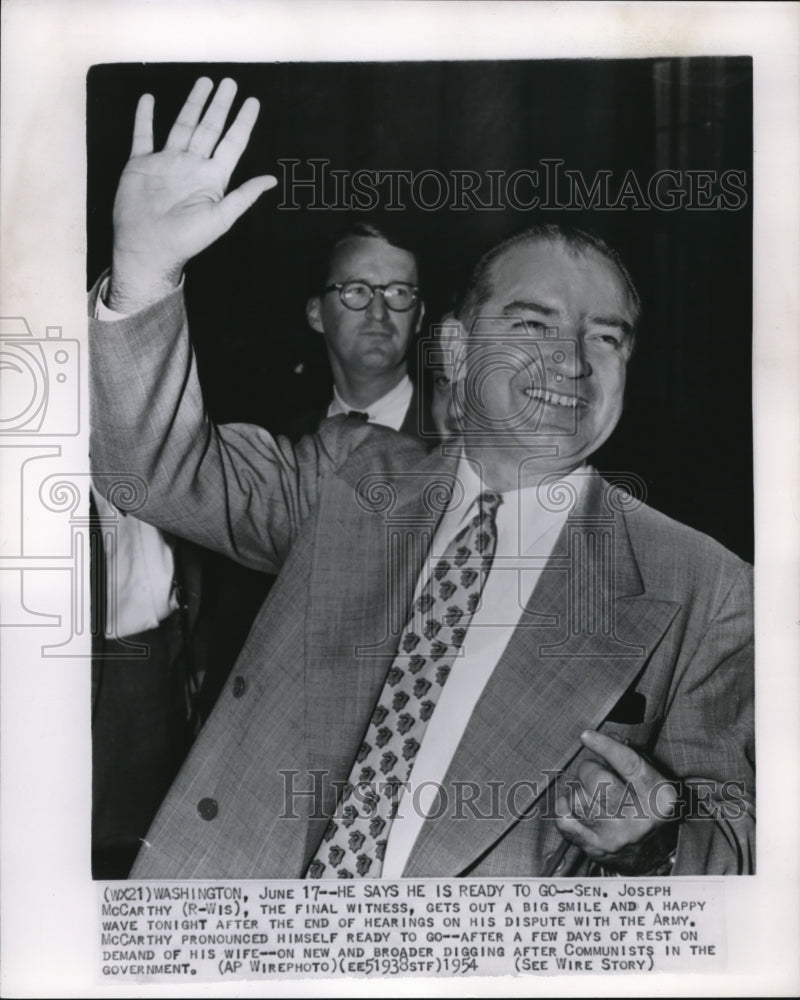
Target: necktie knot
x=484, y=517
x=488, y=503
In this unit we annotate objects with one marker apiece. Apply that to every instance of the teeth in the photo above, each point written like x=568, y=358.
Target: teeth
x=554, y=398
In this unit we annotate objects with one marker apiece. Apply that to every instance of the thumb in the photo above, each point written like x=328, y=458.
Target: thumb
x=236, y=203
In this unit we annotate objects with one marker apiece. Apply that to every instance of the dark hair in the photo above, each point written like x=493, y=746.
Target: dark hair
x=578, y=241
x=323, y=259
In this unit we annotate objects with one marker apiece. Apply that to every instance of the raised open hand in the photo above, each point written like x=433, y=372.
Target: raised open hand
x=172, y=204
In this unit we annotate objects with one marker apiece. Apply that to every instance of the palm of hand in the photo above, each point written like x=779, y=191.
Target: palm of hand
x=163, y=208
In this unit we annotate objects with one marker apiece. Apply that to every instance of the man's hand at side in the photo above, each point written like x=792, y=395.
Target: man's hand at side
x=620, y=811
x=172, y=204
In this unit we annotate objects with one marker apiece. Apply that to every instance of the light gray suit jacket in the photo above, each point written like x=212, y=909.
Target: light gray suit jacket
x=657, y=615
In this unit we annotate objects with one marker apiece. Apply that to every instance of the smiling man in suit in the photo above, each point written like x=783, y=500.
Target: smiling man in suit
x=551, y=679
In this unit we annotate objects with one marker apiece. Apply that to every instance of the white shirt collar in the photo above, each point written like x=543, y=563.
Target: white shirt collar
x=390, y=410
x=526, y=514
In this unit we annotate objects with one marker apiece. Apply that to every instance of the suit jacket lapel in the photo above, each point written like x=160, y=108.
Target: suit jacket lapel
x=552, y=682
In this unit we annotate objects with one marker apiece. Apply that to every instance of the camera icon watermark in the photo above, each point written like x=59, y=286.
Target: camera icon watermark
x=41, y=381
x=508, y=381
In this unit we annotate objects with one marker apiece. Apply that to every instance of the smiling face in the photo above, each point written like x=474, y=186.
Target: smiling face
x=547, y=355
x=370, y=345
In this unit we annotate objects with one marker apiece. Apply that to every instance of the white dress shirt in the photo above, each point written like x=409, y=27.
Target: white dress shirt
x=526, y=534
x=140, y=572
x=389, y=411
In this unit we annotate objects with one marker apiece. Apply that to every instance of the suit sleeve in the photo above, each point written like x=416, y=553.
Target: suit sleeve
x=232, y=488
x=708, y=739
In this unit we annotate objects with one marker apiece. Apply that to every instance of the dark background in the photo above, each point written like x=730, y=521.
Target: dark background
x=687, y=426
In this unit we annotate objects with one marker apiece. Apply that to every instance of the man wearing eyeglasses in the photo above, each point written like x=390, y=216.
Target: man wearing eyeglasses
x=368, y=308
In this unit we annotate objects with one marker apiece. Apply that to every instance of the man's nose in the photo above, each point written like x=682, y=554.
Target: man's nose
x=566, y=358
x=377, y=304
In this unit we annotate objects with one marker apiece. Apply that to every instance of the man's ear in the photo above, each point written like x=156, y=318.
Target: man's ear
x=314, y=313
x=453, y=336
x=420, y=317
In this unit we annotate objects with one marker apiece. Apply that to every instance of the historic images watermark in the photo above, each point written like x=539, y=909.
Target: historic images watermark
x=468, y=800
x=315, y=185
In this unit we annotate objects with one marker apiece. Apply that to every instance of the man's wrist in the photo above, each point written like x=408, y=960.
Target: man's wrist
x=132, y=287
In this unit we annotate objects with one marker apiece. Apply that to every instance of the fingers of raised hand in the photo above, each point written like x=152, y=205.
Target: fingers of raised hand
x=206, y=136
x=143, y=127
x=237, y=202
x=182, y=131
x=236, y=138
x=197, y=132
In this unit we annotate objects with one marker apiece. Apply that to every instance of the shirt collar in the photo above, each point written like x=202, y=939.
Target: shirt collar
x=389, y=410
x=527, y=507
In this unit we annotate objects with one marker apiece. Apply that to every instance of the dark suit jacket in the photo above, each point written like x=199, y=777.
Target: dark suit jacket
x=348, y=515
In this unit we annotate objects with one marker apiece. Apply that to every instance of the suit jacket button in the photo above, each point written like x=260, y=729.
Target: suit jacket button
x=207, y=808
x=239, y=686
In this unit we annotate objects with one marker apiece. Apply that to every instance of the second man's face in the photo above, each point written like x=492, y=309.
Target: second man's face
x=373, y=341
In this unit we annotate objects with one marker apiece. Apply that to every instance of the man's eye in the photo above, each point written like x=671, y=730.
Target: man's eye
x=527, y=324
x=441, y=381
x=401, y=293
x=606, y=338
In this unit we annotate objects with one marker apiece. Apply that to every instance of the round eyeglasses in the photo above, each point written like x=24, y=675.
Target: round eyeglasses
x=399, y=296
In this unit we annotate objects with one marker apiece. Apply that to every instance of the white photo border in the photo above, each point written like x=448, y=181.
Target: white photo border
x=49, y=944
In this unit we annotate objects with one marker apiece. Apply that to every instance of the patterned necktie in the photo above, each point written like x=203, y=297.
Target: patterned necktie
x=355, y=841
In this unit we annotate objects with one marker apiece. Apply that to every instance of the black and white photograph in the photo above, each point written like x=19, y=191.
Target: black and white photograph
x=313, y=319
x=394, y=474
